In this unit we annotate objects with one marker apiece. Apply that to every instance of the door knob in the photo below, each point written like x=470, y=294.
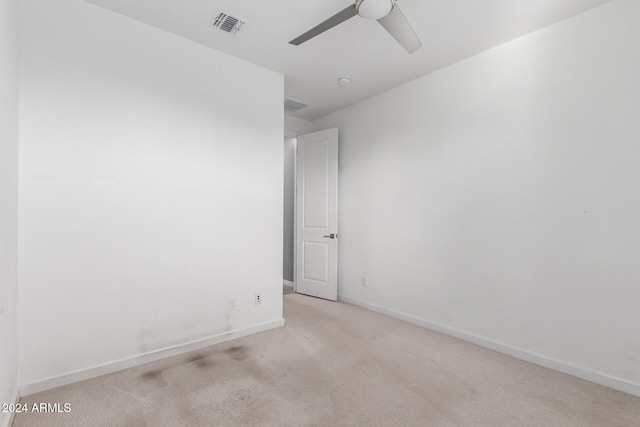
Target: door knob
x=331, y=236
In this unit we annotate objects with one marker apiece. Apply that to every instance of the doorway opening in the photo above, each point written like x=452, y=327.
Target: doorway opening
x=310, y=258
x=288, y=266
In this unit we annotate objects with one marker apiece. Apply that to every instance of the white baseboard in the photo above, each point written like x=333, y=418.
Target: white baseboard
x=7, y=418
x=547, y=362
x=152, y=356
x=287, y=284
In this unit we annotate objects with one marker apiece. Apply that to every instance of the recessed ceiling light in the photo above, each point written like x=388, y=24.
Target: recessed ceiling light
x=344, y=80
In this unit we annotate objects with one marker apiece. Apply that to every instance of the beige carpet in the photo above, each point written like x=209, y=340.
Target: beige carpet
x=335, y=364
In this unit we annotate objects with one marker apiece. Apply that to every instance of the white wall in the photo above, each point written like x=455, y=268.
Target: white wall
x=294, y=126
x=8, y=201
x=497, y=199
x=151, y=190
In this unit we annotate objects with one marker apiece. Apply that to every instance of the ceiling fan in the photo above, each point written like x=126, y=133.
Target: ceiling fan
x=386, y=12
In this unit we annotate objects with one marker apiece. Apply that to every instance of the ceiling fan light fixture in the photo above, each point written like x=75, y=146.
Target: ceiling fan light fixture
x=386, y=12
x=374, y=9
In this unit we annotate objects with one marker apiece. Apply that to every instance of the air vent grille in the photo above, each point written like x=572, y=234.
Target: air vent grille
x=227, y=23
x=292, y=106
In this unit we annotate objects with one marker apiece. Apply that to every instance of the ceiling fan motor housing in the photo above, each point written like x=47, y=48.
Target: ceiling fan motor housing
x=374, y=9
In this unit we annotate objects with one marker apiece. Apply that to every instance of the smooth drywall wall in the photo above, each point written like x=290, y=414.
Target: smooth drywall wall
x=498, y=197
x=294, y=126
x=8, y=202
x=151, y=190
x=289, y=205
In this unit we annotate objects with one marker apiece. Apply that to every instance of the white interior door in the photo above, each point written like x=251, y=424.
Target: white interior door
x=317, y=215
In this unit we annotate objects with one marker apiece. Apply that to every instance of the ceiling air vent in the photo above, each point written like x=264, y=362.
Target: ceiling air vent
x=227, y=23
x=292, y=106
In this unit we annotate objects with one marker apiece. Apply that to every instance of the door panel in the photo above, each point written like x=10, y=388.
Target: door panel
x=317, y=215
x=316, y=262
x=315, y=185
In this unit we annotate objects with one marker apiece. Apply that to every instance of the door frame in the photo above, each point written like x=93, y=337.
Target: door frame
x=294, y=134
x=288, y=133
x=329, y=139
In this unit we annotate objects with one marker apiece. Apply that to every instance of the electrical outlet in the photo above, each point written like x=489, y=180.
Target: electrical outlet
x=231, y=304
x=258, y=298
x=363, y=281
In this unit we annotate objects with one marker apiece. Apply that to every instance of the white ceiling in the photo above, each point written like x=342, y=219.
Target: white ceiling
x=450, y=30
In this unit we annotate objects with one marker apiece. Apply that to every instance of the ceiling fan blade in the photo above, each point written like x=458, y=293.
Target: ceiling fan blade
x=398, y=26
x=336, y=19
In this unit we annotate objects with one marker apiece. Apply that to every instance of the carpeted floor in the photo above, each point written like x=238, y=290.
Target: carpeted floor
x=335, y=364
